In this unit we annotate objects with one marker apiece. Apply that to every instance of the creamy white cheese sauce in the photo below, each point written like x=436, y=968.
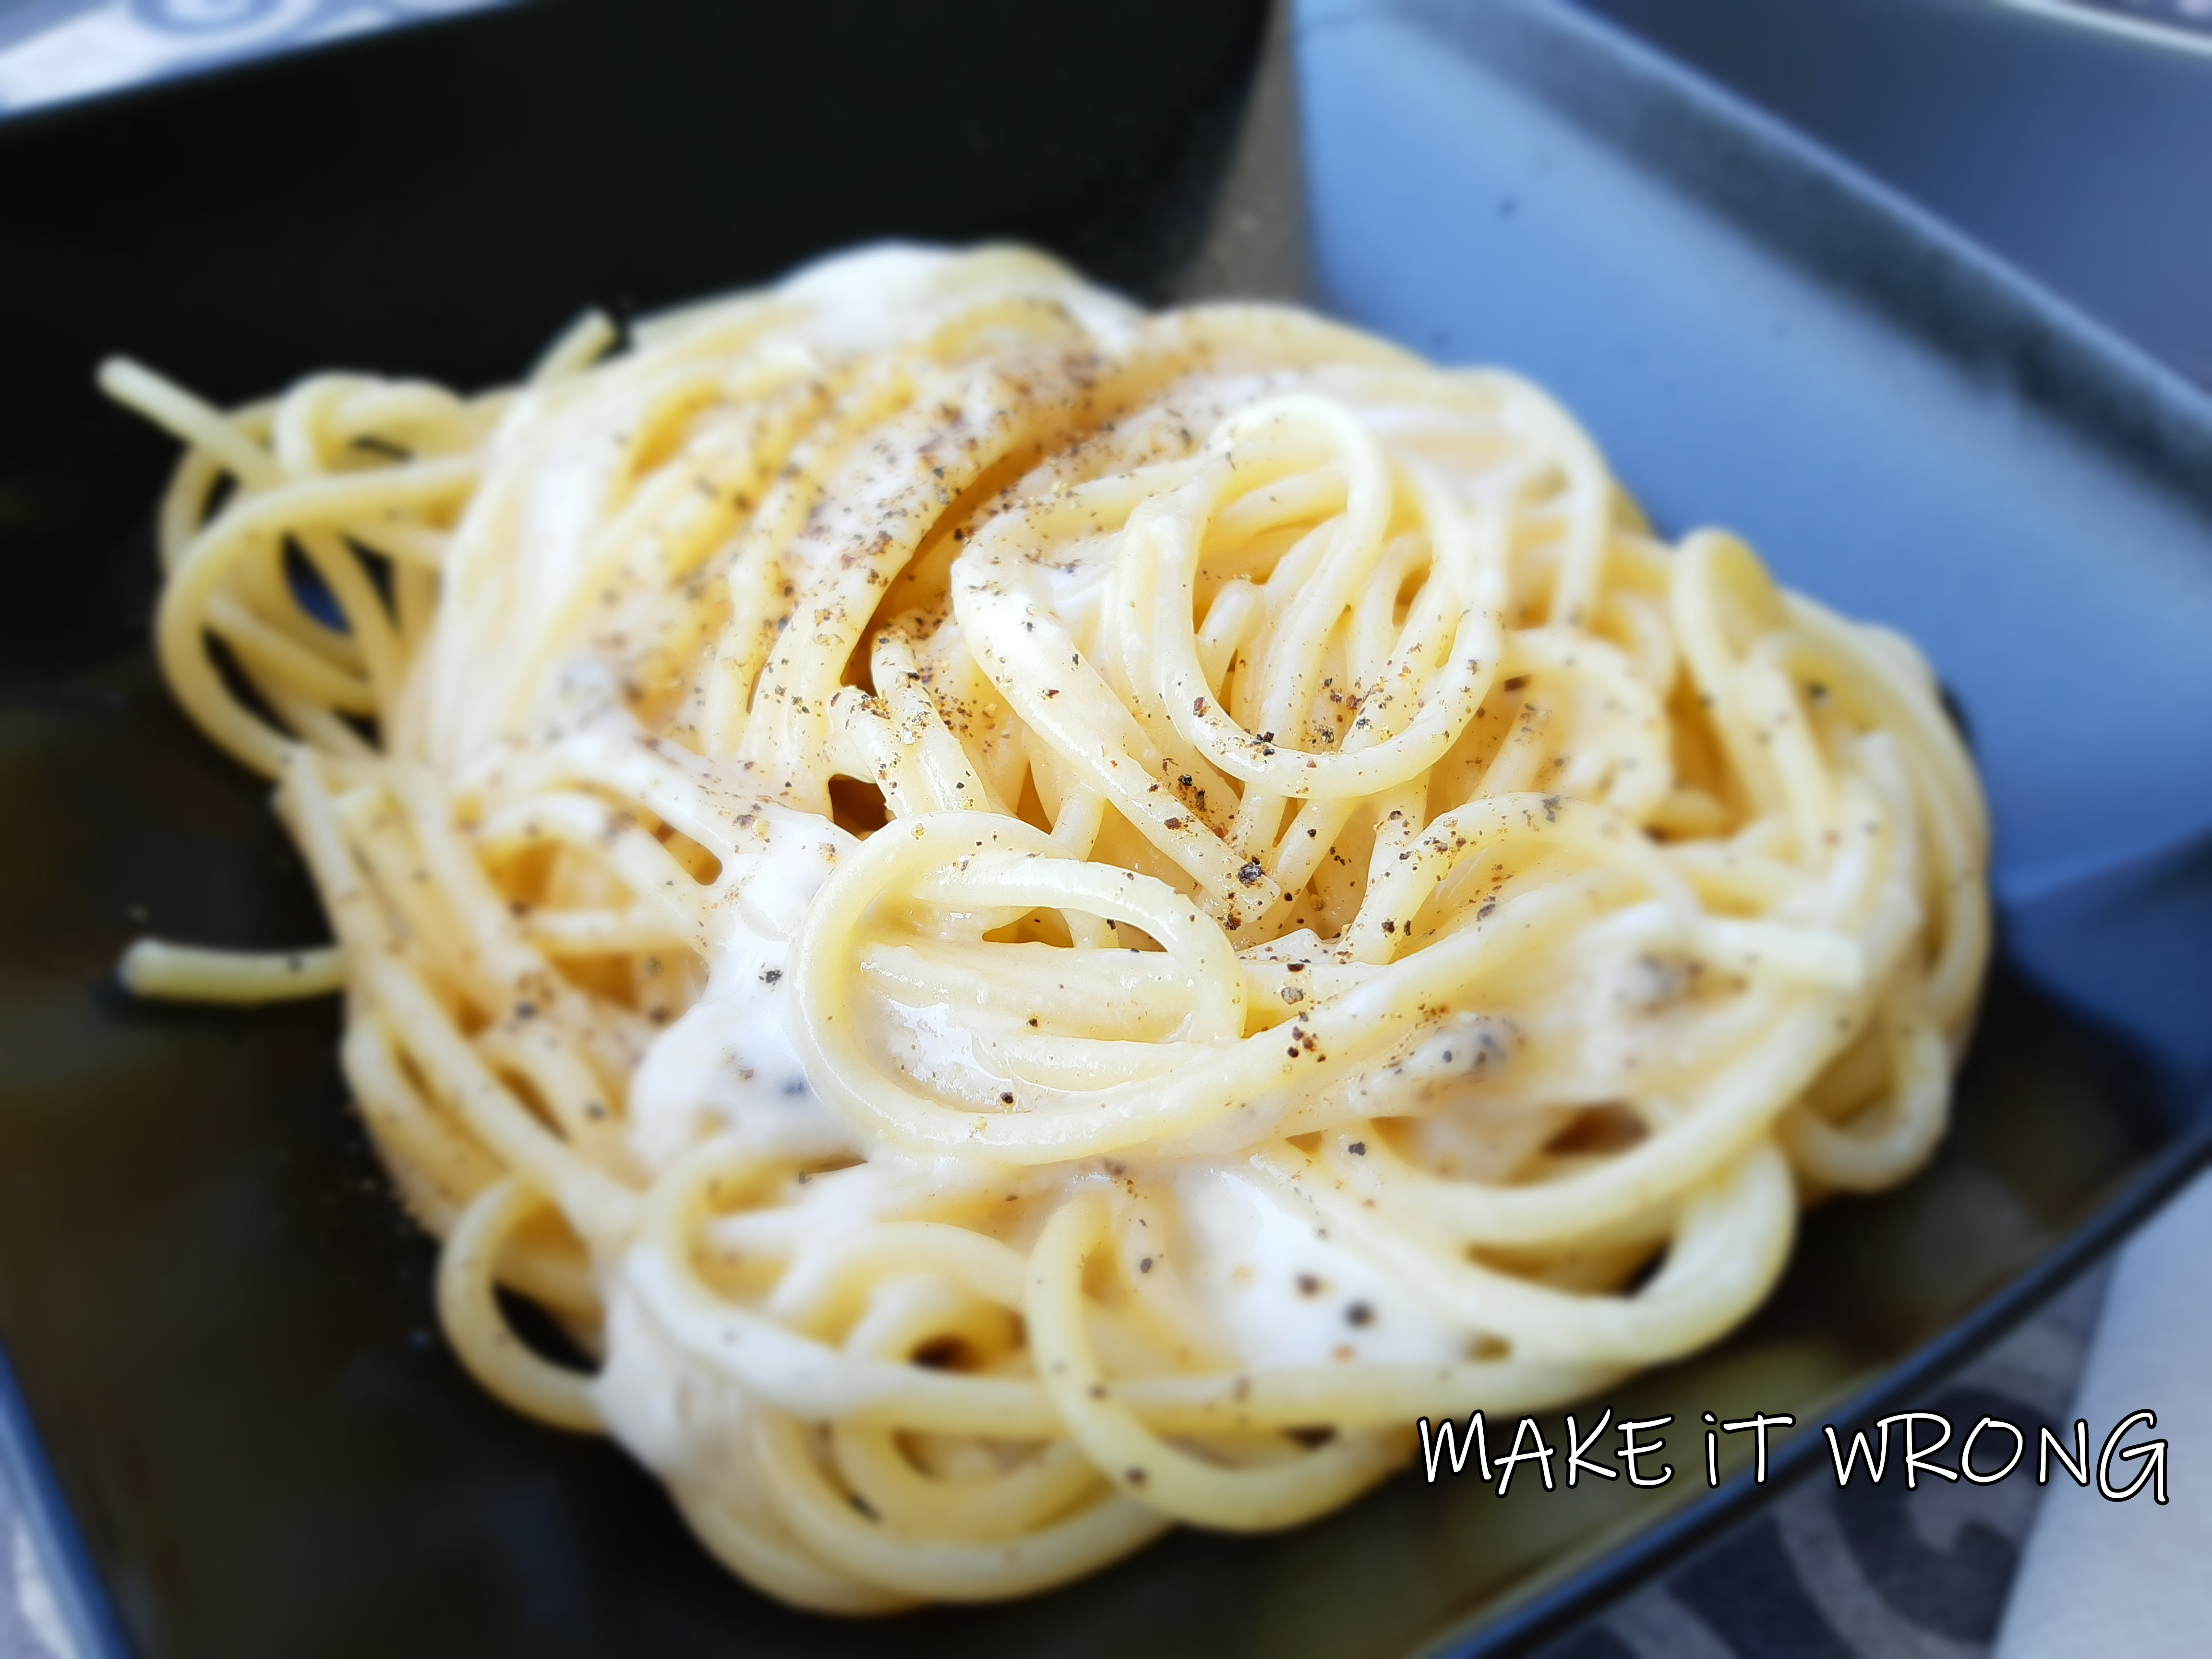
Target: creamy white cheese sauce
x=1277, y=1289
x=729, y=1062
x=668, y=1411
x=1273, y=1289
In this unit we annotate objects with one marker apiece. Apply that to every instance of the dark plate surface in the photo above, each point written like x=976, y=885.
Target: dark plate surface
x=220, y=1323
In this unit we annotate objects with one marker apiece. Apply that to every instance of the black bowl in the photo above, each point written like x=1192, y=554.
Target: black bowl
x=219, y=1322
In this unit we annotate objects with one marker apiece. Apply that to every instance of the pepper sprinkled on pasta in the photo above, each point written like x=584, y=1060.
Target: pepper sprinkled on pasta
x=1033, y=920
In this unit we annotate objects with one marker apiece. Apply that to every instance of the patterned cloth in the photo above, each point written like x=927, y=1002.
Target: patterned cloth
x=1871, y=1572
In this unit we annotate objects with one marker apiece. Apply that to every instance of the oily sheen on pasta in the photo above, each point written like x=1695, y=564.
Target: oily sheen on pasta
x=1034, y=921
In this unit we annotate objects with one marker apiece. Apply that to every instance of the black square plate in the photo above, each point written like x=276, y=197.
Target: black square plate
x=219, y=1322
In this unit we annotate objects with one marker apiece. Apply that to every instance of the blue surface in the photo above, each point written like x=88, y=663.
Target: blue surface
x=51, y=1602
x=2077, y=154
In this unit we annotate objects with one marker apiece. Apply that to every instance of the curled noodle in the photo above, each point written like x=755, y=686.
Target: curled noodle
x=1032, y=921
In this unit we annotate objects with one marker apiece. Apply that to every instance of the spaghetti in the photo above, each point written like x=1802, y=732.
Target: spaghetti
x=1031, y=920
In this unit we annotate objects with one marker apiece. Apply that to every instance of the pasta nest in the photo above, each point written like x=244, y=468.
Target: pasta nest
x=1031, y=920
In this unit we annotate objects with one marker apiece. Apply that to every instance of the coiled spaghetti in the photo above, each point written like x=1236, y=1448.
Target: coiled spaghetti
x=1033, y=921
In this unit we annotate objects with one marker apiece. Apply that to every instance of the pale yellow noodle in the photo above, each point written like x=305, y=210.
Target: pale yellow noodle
x=1032, y=921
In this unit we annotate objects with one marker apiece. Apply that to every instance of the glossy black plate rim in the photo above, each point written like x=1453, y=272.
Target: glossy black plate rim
x=82, y=1603
x=1550, y=1611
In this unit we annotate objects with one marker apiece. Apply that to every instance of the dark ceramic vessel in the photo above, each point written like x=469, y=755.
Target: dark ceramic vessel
x=242, y=1435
